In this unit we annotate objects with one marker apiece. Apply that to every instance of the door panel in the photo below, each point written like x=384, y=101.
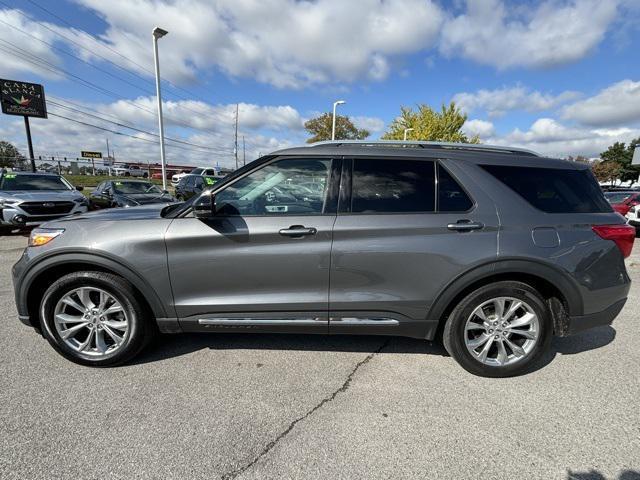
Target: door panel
x=264, y=267
x=392, y=266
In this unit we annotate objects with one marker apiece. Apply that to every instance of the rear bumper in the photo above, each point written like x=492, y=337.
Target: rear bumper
x=577, y=324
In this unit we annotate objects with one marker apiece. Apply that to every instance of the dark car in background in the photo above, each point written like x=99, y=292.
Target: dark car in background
x=191, y=185
x=623, y=201
x=127, y=193
x=32, y=198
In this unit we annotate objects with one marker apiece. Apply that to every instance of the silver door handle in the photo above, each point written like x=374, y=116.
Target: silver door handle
x=465, y=226
x=297, y=231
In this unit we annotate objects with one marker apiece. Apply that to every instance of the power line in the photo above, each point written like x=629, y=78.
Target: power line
x=131, y=72
x=39, y=61
x=100, y=69
x=115, y=132
x=66, y=107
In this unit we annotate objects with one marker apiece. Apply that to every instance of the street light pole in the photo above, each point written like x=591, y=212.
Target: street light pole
x=159, y=33
x=407, y=130
x=333, y=127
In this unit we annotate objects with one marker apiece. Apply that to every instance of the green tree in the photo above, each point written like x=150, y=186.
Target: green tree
x=606, y=170
x=430, y=125
x=622, y=154
x=9, y=155
x=320, y=128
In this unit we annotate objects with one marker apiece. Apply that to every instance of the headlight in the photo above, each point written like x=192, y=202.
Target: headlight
x=5, y=202
x=42, y=236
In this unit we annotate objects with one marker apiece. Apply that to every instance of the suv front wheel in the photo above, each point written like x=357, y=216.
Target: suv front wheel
x=499, y=330
x=93, y=318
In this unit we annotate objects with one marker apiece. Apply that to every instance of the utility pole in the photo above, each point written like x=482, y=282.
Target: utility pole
x=108, y=158
x=244, y=152
x=235, y=148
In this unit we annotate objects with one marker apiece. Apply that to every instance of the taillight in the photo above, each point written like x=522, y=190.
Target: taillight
x=622, y=235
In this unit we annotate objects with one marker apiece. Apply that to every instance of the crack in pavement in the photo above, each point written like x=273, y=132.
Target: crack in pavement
x=345, y=386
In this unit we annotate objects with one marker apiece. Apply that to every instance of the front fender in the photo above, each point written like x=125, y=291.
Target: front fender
x=26, y=275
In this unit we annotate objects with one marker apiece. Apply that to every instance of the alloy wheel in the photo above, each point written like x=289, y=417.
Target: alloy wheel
x=501, y=331
x=91, y=321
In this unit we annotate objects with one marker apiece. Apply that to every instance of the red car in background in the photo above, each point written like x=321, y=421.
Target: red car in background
x=622, y=201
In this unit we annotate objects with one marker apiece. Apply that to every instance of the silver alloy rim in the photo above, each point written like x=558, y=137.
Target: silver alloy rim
x=501, y=331
x=91, y=321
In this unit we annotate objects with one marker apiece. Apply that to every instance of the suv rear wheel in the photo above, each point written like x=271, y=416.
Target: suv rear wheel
x=92, y=318
x=499, y=330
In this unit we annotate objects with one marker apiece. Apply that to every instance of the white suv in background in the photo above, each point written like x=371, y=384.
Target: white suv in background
x=205, y=172
x=123, y=170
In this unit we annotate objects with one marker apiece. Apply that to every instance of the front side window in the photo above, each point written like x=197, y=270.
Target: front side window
x=392, y=186
x=279, y=188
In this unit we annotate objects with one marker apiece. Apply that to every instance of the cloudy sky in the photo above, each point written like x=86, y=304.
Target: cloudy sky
x=560, y=77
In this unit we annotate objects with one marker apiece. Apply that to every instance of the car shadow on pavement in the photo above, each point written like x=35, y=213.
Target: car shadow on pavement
x=169, y=346
x=579, y=343
x=16, y=232
x=595, y=475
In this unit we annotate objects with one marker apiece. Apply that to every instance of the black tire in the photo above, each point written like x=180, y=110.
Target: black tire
x=454, y=330
x=145, y=175
x=141, y=329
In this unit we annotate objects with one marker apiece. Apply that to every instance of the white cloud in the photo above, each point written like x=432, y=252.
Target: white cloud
x=499, y=101
x=17, y=50
x=615, y=105
x=482, y=128
x=552, y=138
x=199, y=123
x=373, y=124
x=286, y=43
x=554, y=33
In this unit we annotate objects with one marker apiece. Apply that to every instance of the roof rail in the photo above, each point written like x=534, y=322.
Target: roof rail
x=418, y=144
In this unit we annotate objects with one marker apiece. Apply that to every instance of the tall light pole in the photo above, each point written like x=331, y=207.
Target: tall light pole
x=333, y=127
x=407, y=130
x=159, y=33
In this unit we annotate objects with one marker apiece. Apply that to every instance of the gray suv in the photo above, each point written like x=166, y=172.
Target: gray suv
x=33, y=198
x=494, y=250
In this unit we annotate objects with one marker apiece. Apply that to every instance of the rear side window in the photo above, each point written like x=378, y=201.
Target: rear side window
x=392, y=186
x=553, y=190
x=451, y=196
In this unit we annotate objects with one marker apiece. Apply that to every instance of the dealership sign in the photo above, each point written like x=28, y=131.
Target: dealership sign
x=22, y=98
x=85, y=154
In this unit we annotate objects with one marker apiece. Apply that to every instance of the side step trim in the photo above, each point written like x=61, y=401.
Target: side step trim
x=265, y=322
x=358, y=321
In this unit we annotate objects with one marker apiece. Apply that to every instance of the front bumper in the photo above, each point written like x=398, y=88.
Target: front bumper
x=13, y=215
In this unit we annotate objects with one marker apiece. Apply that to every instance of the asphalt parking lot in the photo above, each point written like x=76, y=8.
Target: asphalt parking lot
x=267, y=406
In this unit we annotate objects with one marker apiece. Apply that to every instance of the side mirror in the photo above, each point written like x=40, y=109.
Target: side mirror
x=79, y=188
x=204, y=206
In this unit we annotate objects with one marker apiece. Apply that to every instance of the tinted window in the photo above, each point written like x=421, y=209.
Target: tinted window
x=554, y=190
x=277, y=189
x=451, y=196
x=392, y=186
x=199, y=182
x=617, y=197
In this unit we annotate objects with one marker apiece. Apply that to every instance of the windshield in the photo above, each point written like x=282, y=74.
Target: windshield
x=135, y=188
x=13, y=182
x=197, y=171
